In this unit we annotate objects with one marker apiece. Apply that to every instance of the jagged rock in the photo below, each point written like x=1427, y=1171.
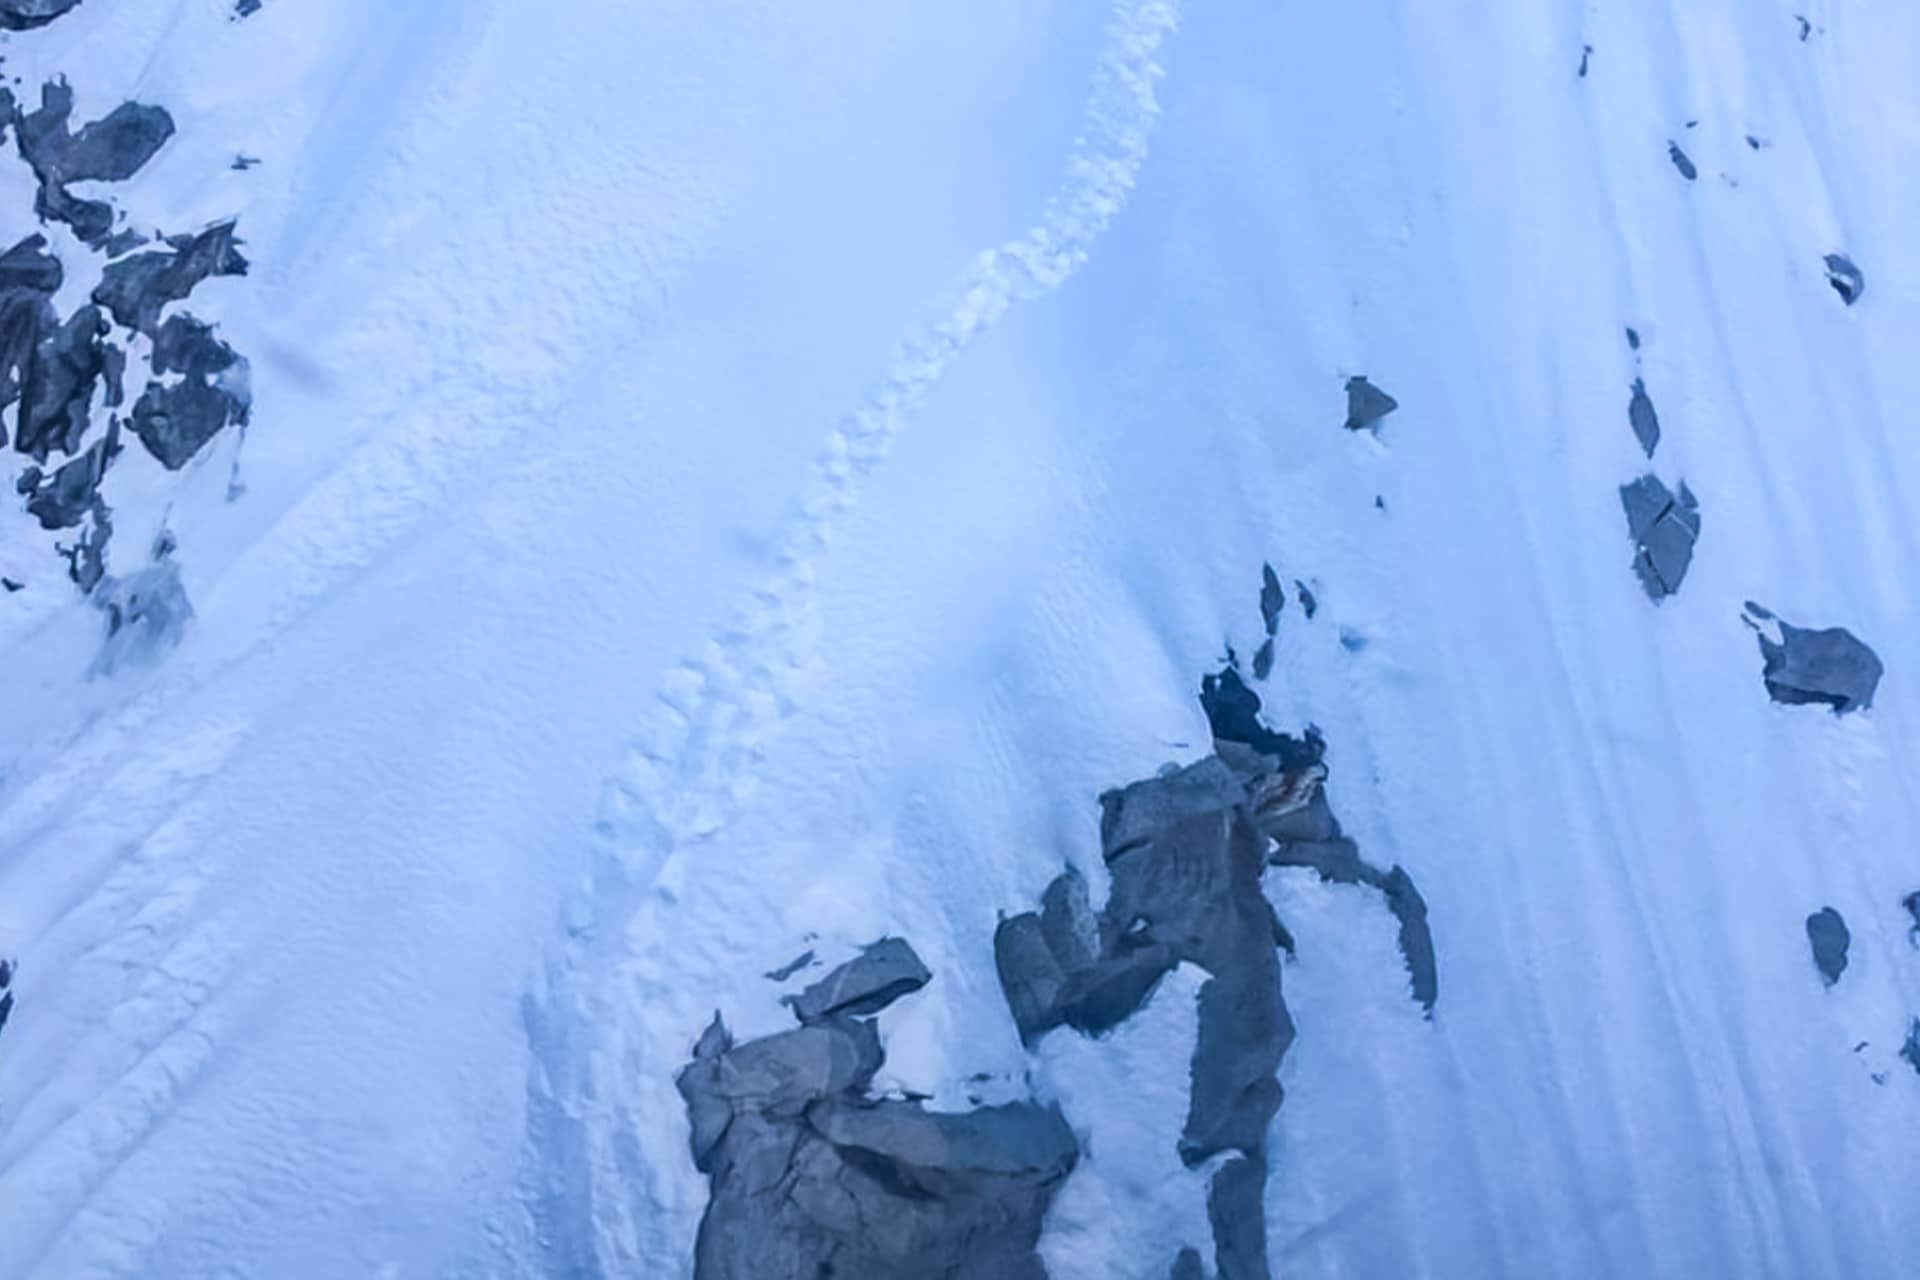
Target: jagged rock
x=881, y=974
x=1245, y=1031
x=1273, y=598
x=1236, y=1209
x=790, y=968
x=176, y=420
x=1847, y=280
x=28, y=265
x=137, y=288
x=23, y=15
x=29, y=276
x=1827, y=934
x=111, y=149
x=1911, y=1049
x=1642, y=417
x=1829, y=666
x=1682, y=162
x=1664, y=527
x=1366, y=404
x=1308, y=603
x=810, y=1178
x=59, y=381
x=64, y=499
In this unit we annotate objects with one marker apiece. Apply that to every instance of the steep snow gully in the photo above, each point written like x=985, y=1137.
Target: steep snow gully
x=1492, y=427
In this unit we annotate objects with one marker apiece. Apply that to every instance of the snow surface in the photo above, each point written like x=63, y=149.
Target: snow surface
x=553, y=679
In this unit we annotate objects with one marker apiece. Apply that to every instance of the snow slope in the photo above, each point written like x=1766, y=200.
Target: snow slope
x=549, y=684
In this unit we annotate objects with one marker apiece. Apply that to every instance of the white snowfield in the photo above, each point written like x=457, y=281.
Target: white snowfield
x=729, y=478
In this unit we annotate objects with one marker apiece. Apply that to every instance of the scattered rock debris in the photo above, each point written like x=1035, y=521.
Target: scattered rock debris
x=1682, y=162
x=1847, y=280
x=1829, y=937
x=1367, y=404
x=1663, y=526
x=812, y=1176
x=1185, y=852
x=1830, y=666
x=1642, y=417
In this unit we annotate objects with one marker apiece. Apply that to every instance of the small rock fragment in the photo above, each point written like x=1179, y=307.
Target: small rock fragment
x=1586, y=56
x=1309, y=603
x=1187, y=1266
x=1681, y=162
x=1830, y=666
x=1827, y=934
x=1643, y=419
x=1633, y=338
x=1911, y=1049
x=1273, y=598
x=1663, y=527
x=868, y=983
x=1366, y=404
x=1847, y=280
x=1263, y=660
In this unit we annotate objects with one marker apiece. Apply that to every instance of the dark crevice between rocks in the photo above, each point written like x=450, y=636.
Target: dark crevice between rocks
x=811, y=1176
x=1829, y=938
x=1367, y=405
x=1185, y=852
x=1831, y=666
x=1847, y=280
x=1663, y=527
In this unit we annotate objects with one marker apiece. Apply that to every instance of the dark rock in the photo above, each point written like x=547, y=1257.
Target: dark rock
x=1633, y=338
x=1416, y=937
x=66, y=498
x=874, y=979
x=1664, y=527
x=1245, y=1031
x=1755, y=143
x=1643, y=419
x=176, y=420
x=87, y=556
x=28, y=265
x=1912, y=903
x=29, y=276
x=1273, y=598
x=1829, y=666
x=58, y=383
x=811, y=1178
x=136, y=288
x=1031, y=975
x=1806, y=27
x=790, y=968
x=1263, y=660
x=1911, y=1049
x=6, y=992
x=1308, y=602
x=111, y=149
x=1366, y=404
x=243, y=163
x=1233, y=714
x=1847, y=280
x=23, y=15
x=245, y=8
x=1828, y=936
x=1237, y=1211
x=11, y=586
x=1586, y=55
x=1681, y=162
x=1187, y=1266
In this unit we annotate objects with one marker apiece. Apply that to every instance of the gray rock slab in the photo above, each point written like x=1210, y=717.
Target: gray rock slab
x=1367, y=404
x=874, y=979
x=1643, y=418
x=1664, y=526
x=1830, y=666
x=1237, y=1212
x=135, y=289
x=1828, y=936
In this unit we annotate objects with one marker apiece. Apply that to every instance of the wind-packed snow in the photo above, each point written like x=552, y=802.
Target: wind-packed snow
x=729, y=478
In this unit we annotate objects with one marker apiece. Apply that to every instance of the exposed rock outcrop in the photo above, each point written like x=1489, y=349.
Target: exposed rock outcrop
x=136, y=289
x=23, y=15
x=1643, y=418
x=1830, y=666
x=1828, y=936
x=1367, y=404
x=1663, y=526
x=111, y=149
x=811, y=1177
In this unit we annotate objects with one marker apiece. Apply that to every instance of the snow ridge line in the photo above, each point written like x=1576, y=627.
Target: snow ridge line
x=691, y=768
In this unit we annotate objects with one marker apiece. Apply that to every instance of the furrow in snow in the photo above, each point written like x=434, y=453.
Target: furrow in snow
x=690, y=769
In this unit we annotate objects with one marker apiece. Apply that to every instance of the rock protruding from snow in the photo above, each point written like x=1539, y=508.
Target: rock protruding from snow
x=1829, y=937
x=1682, y=162
x=1273, y=598
x=24, y=15
x=813, y=1177
x=868, y=983
x=1367, y=404
x=1847, y=279
x=1664, y=527
x=136, y=289
x=175, y=419
x=6, y=992
x=1643, y=418
x=1912, y=903
x=1187, y=1266
x=1830, y=666
x=111, y=149
x=1911, y=1049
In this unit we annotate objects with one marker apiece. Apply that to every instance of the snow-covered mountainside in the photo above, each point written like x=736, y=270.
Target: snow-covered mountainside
x=1131, y=638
